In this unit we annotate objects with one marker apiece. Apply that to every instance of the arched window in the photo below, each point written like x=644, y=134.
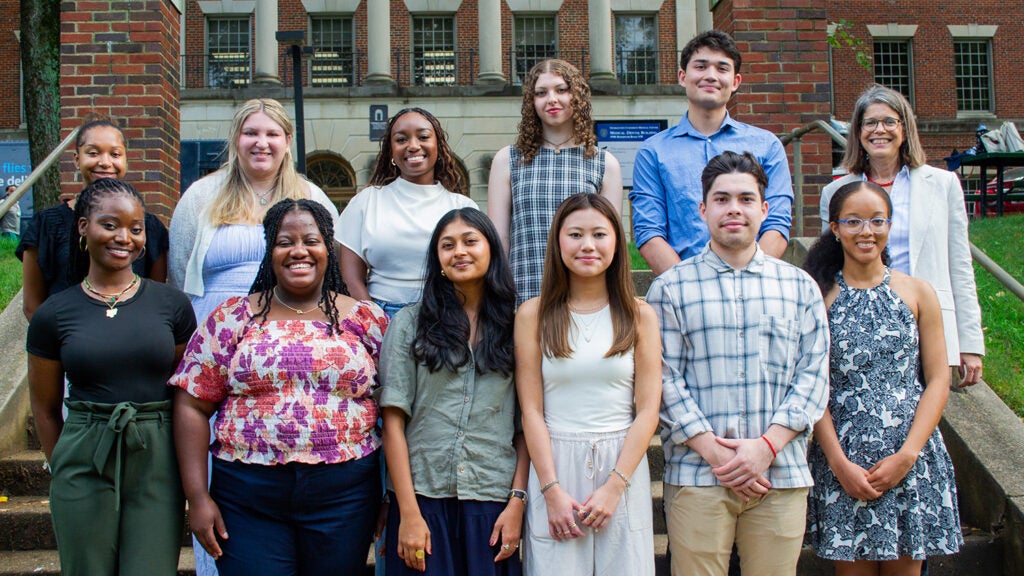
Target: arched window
x=334, y=175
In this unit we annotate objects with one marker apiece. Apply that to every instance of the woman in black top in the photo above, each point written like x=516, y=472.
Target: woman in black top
x=115, y=496
x=100, y=152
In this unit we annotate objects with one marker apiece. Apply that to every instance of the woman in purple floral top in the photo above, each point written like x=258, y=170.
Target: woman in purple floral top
x=289, y=371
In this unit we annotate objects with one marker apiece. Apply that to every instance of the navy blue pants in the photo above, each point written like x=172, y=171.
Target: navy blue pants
x=460, y=533
x=297, y=519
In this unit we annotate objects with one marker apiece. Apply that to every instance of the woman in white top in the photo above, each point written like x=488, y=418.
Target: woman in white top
x=385, y=230
x=588, y=374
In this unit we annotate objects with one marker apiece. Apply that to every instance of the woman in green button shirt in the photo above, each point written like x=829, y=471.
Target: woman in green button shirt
x=457, y=464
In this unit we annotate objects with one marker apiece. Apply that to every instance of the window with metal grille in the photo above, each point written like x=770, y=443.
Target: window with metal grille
x=228, y=52
x=973, y=73
x=333, y=40
x=433, y=50
x=893, y=63
x=535, y=39
x=636, y=48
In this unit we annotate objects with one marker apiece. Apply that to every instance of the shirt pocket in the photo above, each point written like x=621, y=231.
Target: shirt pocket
x=777, y=345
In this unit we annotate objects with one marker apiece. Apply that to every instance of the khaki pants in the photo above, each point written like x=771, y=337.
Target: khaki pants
x=705, y=521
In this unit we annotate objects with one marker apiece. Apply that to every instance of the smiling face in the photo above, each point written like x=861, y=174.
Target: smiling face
x=414, y=148
x=464, y=253
x=114, y=231
x=733, y=212
x=586, y=241
x=866, y=242
x=881, y=142
x=552, y=100
x=262, y=146
x=102, y=154
x=710, y=79
x=299, y=256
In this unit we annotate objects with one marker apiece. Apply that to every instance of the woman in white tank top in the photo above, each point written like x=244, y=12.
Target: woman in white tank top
x=588, y=374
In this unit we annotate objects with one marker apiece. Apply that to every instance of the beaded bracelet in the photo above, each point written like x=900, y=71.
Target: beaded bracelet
x=619, y=473
x=548, y=486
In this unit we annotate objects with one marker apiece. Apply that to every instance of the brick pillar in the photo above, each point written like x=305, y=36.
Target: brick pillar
x=785, y=81
x=121, y=60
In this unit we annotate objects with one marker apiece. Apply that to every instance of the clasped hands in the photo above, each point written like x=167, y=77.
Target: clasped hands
x=740, y=464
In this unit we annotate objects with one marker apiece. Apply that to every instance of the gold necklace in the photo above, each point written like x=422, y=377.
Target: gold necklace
x=296, y=310
x=558, y=147
x=114, y=298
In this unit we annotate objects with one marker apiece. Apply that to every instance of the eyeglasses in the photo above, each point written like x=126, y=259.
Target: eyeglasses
x=856, y=225
x=889, y=123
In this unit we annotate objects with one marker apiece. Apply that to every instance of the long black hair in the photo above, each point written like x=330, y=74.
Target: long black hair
x=826, y=257
x=88, y=201
x=442, y=329
x=266, y=280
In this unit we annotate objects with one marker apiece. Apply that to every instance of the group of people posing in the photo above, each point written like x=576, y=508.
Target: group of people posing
x=503, y=361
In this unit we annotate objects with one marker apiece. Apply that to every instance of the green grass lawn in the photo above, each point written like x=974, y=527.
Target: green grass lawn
x=1002, y=313
x=10, y=271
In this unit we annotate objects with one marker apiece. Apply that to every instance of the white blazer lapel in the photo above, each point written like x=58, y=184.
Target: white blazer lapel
x=923, y=200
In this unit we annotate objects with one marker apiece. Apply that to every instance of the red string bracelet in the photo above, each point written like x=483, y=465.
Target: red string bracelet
x=770, y=447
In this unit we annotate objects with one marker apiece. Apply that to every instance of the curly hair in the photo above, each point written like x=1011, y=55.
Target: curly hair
x=233, y=202
x=88, y=201
x=553, y=328
x=531, y=132
x=442, y=329
x=445, y=171
x=826, y=256
x=266, y=280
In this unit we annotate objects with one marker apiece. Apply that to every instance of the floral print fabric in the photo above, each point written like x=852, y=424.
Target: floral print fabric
x=875, y=389
x=287, y=392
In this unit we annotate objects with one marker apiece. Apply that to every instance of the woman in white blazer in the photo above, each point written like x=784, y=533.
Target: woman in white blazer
x=928, y=237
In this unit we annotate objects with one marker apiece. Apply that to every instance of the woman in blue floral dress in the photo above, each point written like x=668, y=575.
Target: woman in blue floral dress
x=884, y=495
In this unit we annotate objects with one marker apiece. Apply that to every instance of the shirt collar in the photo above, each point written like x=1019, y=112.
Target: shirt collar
x=684, y=128
x=708, y=256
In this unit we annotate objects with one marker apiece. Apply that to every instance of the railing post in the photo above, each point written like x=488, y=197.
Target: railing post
x=798, y=189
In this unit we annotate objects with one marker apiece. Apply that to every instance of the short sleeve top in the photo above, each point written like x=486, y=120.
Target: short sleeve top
x=389, y=228
x=287, y=391
x=461, y=423
x=127, y=358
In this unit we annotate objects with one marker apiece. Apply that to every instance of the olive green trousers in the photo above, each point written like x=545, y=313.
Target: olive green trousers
x=115, y=496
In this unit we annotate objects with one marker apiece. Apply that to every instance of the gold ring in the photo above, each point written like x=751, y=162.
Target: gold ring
x=420, y=554
x=505, y=547
x=572, y=525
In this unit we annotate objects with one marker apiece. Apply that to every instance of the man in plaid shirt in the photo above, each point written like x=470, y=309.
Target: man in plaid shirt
x=745, y=345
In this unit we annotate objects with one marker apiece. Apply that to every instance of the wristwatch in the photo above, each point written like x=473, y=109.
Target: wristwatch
x=516, y=493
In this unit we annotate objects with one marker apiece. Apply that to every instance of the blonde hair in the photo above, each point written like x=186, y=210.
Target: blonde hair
x=233, y=203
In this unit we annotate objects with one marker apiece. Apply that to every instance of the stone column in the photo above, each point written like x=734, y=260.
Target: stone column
x=378, y=16
x=266, y=46
x=489, y=22
x=116, y=62
x=600, y=19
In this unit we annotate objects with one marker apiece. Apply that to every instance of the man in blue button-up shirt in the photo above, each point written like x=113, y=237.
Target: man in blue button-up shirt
x=745, y=350
x=666, y=173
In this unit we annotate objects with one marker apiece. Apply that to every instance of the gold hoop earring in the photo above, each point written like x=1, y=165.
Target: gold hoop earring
x=393, y=162
x=81, y=244
x=142, y=253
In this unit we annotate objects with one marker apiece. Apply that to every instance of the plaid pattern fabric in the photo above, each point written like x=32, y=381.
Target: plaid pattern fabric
x=537, y=190
x=742, y=349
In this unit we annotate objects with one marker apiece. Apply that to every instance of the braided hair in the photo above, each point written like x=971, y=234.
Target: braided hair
x=266, y=280
x=88, y=201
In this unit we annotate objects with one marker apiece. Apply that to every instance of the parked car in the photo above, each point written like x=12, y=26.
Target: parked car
x=1013, y=182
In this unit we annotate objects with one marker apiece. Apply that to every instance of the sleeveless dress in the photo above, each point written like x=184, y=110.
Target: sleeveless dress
x=588, y=409
x=537, y=190
x=875, y=389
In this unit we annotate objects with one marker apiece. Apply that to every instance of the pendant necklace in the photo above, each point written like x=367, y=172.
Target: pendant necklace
x=296, y=310
x=558, y=147
x=586, y=328
x=263, y=197
x=115, y=299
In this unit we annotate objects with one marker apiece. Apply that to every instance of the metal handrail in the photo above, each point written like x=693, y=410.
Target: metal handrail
x=37, y=173
x=997, y=272
x=795, y=136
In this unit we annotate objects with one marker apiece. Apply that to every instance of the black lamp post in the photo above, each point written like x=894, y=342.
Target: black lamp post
x=295, y=40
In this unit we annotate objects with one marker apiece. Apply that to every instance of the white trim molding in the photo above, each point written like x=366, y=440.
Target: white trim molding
x=973, y=31
x=330, y=6
x=636, y=5
x=227, y=7
x=890, y=30
x=415, y=6
x=534, y=5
